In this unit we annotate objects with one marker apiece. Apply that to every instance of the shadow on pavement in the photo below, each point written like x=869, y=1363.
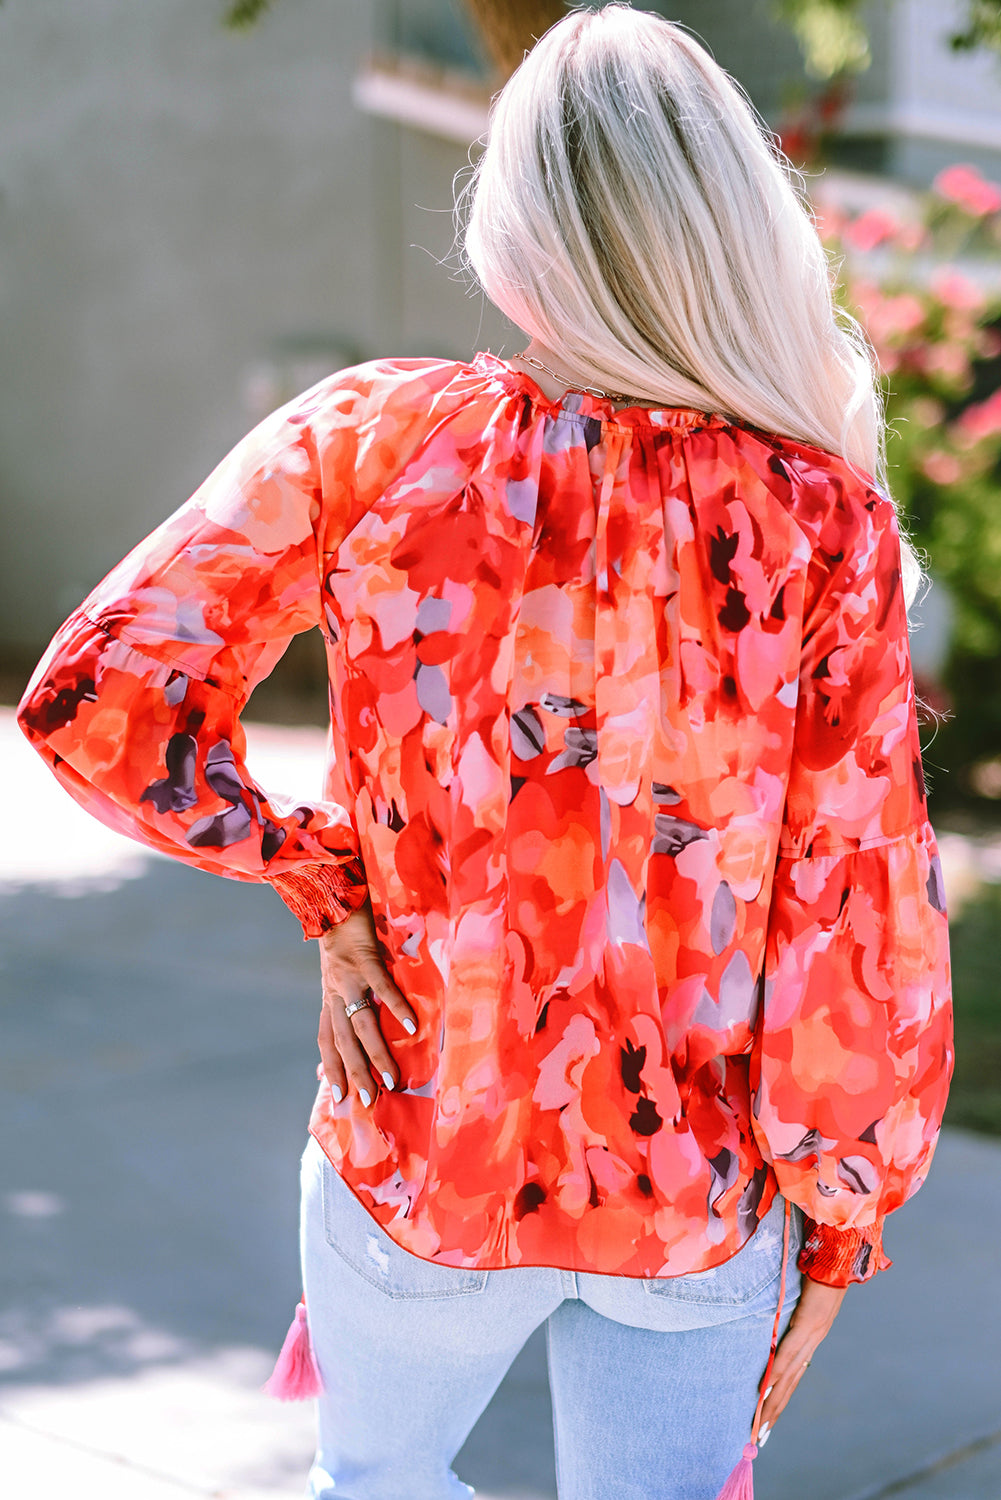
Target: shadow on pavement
x=156, y=1077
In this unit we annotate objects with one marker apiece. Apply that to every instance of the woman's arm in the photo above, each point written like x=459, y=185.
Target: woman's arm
x=853, y=1048
x=136, y=704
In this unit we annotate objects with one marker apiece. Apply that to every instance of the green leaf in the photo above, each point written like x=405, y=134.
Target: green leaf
x=242, y=14
x=831, y=35
x=983, y=27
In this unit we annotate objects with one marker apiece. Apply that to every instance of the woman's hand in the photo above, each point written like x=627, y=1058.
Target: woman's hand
x=353, y=1048
x=810, y=1324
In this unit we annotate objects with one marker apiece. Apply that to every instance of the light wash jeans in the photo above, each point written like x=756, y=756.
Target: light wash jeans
x=654, y=1383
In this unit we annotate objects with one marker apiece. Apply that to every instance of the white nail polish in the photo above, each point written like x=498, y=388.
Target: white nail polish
x=387, y=1079
x=338, y=1096
x=366, y=1097
x=410, y=1026
x=768, y=1393
x=764, y=1434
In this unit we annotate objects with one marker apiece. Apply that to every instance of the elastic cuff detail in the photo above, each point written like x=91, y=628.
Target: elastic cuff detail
x=837, y=1257
x=321, y=896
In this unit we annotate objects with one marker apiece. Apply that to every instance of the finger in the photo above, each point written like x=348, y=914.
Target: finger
x=784, y=1379
x=340, y=989
x=369, y=1033
x=330, y=1058
x=353, y=1055
x=384, y=987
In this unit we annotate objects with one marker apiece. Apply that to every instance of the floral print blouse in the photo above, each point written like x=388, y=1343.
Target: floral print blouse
x=623, y=752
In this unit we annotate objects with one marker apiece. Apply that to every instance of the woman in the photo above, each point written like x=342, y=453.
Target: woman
x=635, y=983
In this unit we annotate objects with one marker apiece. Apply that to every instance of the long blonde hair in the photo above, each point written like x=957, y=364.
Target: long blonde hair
x=631, y=213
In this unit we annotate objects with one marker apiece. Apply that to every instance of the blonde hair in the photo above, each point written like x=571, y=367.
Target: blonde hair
x=631, y=213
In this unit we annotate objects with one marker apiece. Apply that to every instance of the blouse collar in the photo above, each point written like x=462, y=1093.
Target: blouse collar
x=582, y=404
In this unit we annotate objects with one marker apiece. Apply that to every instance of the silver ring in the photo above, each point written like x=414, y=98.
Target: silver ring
x=349, y=1010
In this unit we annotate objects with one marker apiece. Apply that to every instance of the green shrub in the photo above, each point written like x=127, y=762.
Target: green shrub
x=927, y=288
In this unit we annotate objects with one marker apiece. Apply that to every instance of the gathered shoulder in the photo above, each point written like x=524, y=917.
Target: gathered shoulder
x=834, y=504
x=415, y=382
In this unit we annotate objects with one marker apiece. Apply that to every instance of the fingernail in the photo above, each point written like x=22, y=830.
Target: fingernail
x=366, y=1097
x=768, y=1393
x=764, y=1434
x=338, y=1096
x=410, y=1026
x=387, y=1079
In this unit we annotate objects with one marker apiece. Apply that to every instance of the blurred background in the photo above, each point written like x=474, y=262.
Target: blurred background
x=204, y=208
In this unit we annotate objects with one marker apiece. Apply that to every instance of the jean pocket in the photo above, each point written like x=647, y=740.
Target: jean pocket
x=369, y=1251
x=736, y=1282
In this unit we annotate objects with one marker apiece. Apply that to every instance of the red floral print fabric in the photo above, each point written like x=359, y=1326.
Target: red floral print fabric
x=624, y=755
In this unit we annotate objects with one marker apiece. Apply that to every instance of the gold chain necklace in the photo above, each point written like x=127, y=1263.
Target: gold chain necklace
x=589, y=390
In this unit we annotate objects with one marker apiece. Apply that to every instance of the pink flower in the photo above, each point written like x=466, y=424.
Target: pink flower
x=957, y=291
x=982, y=420
x=964, y=186
x=890, y=318
x=948, y=361
x=912, y=237
x=905, y=312
x=872, y=228
x=942, y=468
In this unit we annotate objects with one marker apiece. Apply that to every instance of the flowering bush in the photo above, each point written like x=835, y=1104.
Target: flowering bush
x=965, y=187
x=927, y=288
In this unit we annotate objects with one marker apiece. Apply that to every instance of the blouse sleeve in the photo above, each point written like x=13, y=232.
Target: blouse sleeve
x=136, y=703
x=853, y=1050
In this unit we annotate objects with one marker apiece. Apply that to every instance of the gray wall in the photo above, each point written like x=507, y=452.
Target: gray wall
x=179, y=204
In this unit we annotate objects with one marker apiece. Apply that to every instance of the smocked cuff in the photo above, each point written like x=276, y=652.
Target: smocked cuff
x=321, y=895
x=837, y=1257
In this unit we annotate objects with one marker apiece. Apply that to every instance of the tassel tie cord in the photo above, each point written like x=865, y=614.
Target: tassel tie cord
x=740, y=1483
x=295, y=1376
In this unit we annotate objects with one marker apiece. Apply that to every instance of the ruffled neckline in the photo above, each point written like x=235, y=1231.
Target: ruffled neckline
x=582, y=404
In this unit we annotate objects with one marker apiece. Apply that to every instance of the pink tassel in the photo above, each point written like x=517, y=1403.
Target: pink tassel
x=295, y=1376
x=740, y=1484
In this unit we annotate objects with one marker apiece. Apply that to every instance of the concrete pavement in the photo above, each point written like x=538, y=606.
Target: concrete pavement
x=156, y=1068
